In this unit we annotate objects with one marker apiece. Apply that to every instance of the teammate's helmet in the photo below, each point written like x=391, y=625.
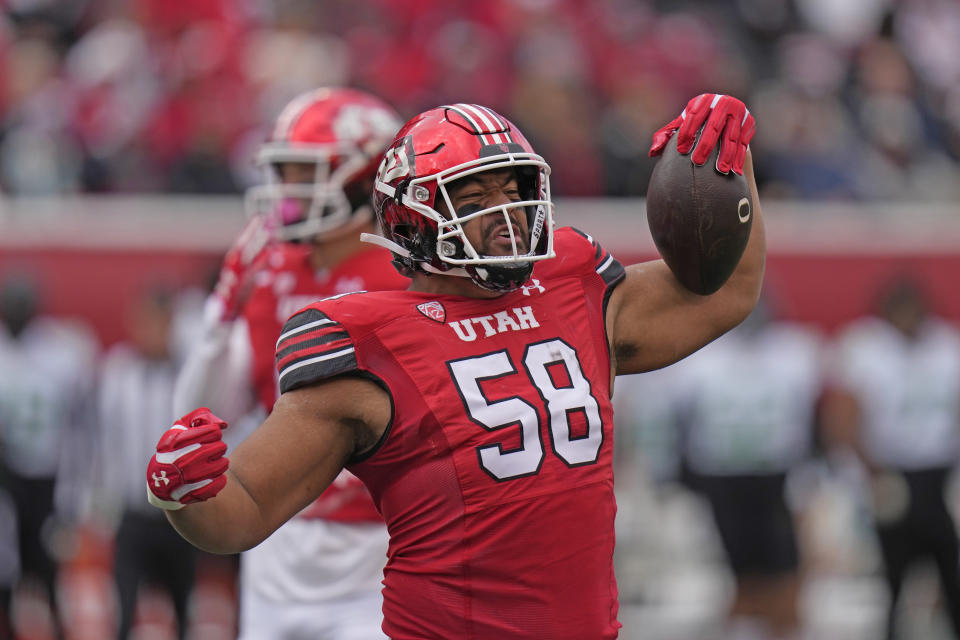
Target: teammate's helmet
x=341, y=133
x=441, y=146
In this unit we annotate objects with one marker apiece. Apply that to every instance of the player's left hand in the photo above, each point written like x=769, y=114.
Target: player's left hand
x=724, y=119
x=188, y=465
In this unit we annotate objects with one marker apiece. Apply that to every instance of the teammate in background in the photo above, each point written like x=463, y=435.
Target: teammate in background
x=475, y=406
x=746, y=408
x=318, y=575
x=894, y=401
x=46, y=396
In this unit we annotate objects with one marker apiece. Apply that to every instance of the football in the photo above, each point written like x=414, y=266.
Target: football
x=699, y=218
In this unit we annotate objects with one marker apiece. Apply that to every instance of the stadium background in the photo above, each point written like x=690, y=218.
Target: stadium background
x=127, y=130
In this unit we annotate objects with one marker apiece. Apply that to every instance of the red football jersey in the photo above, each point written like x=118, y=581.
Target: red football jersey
x=285, y=283
x=495, y=476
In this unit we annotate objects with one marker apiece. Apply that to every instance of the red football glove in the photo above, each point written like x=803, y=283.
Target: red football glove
x=723, y=118
x=235, y=279
x=189, y=465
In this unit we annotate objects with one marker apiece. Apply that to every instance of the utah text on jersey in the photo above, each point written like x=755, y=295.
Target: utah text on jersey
x=521, y=318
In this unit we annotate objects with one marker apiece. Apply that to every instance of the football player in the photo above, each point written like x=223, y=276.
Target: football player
x=319, y=575
x=746, y=403
x=475, y=406
x=895, y=375
x=46, y=391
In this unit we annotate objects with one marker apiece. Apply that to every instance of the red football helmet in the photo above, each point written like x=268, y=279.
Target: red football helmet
x=341, y=133
x=436, y=148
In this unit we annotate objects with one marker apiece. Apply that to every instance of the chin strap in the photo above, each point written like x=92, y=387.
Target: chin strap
x=386, y=243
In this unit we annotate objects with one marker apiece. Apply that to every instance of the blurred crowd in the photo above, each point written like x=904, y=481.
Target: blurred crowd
x=856, y=100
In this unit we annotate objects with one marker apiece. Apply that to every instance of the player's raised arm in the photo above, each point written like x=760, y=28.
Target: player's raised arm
x=277, y=471
x=218, y=371
x=652, y=319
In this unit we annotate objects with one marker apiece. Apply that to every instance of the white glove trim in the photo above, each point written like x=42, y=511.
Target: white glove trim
x=187, y=488
x=166, y=505
x=169, y=457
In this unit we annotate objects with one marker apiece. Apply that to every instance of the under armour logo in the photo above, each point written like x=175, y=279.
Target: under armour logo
x=158, y=478
x=535, y=284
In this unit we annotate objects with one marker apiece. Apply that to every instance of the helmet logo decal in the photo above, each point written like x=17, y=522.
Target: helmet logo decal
x=396, y=164
x=433, y=310
x=362, y=122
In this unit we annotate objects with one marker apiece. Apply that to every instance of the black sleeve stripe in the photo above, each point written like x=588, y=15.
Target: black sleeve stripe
x=598, y=255
x=312, y=340
x=293, y=327
x=311, y=347
x=611, y=271
x=317, y=368
x=582, y=234
x=607, y=267
x=598, y=250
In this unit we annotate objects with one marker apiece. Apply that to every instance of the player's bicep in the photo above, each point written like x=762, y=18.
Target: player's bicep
x=653, y=321
x=312, y=432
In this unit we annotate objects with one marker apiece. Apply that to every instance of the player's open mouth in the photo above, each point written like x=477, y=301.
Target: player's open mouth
x=499, y=237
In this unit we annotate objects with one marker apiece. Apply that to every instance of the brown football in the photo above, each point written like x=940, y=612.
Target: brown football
x=699, y=218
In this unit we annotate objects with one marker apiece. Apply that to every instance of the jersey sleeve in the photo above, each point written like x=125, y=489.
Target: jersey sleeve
x=312, y=347
x=607, y=267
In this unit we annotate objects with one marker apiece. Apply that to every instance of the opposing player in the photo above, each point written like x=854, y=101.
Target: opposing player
x=475, y=406
x=318, y=575
x=895, y=378
x=747, y=403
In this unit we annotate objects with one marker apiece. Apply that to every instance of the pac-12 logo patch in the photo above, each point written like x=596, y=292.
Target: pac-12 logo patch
x=433, y=310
